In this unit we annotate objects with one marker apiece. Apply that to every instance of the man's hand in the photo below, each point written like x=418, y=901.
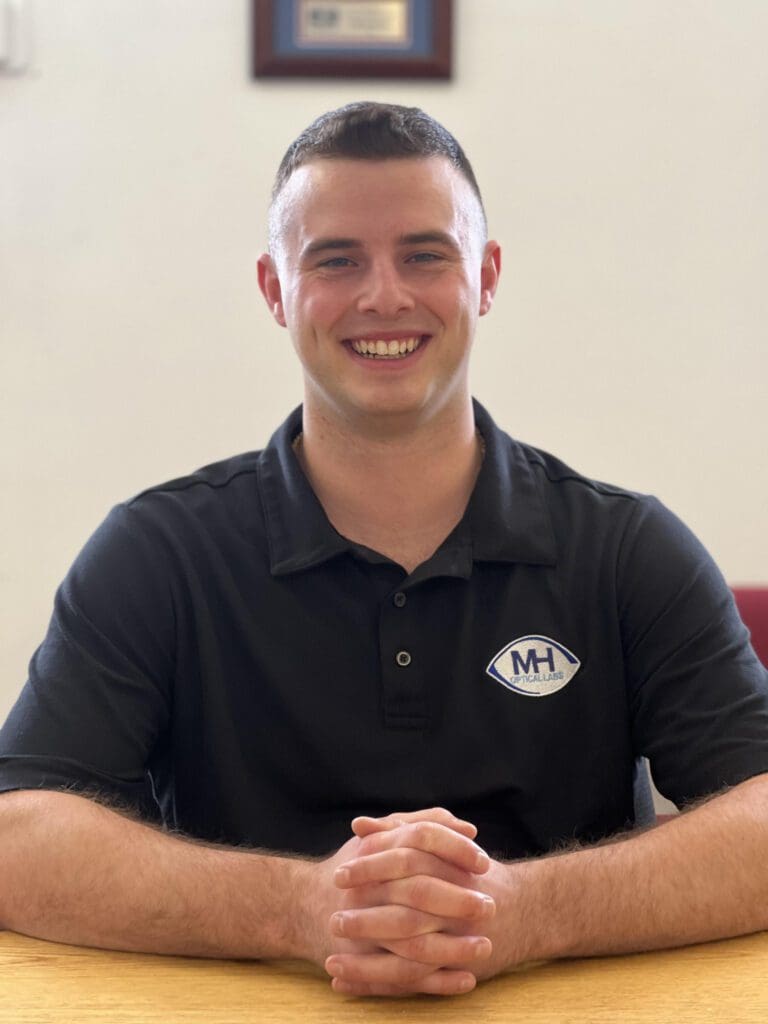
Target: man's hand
x=600, y=900
x=324, y=900
x=412, y=896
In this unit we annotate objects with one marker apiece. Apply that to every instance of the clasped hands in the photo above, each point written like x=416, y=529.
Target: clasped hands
x=414, y=909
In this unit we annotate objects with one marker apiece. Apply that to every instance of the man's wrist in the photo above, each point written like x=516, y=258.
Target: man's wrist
x=307, y=935
x=525, y=927
x=274, y=906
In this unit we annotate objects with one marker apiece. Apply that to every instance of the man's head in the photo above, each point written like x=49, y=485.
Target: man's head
x=369, y=131
x=379, y=264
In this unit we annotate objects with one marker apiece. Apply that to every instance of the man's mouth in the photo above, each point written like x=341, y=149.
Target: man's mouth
x=397, y=348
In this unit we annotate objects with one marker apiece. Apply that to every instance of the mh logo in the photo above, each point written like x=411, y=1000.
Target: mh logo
x=534, y=666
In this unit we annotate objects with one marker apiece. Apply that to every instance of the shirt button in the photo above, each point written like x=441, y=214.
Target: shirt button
x=403, y=658
x=399, y=599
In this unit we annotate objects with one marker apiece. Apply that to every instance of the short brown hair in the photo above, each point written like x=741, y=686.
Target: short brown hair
x=374, y=131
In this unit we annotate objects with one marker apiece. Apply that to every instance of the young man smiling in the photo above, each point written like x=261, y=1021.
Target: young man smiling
x=368, y=258
x=393, y=606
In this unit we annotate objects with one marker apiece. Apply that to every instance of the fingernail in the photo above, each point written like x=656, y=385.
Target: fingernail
x=488, y=904
x=334, y=968
x=466, y=984
x=482, y=860
x=337, y=924
x=341, y=876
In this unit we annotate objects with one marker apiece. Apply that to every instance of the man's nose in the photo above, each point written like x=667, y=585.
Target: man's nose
x=384, y=292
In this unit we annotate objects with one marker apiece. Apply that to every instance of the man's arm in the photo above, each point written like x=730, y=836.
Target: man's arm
x=700, y=876
x=78, y=872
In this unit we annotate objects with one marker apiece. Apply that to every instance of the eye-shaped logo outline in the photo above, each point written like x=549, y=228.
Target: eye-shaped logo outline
x=519, y=668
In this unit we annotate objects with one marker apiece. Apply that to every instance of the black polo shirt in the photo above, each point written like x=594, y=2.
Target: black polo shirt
x=221, y=658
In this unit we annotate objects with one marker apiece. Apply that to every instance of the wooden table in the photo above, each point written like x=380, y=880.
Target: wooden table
x=46, y=983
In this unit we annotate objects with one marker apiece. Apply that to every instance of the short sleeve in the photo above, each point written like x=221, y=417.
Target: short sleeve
x=698, y=694
x=97, y=699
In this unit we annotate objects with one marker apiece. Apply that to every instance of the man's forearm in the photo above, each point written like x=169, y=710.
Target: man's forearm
x=701, y=876
x=75, y=871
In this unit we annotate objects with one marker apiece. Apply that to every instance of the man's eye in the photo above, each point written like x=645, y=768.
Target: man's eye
x=337, y=261
x=424, y=257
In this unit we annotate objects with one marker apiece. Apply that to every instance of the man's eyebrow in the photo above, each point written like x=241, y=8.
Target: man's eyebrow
x=324, y=244
x=427, y=237
x=416, y=238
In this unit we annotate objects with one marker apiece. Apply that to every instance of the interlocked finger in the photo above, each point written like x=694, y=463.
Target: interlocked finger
x=430, y=837
x=387, y=974
x=379, y=923
x=401, y=862
x=431, y=895
x=365, y=825
x=442, y=949
x=439, y=983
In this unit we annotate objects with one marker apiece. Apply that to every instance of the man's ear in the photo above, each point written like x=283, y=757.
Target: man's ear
x=269, y=283
x=489, y=275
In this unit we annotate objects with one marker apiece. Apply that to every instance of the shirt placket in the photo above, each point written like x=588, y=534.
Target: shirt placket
x=402, y=665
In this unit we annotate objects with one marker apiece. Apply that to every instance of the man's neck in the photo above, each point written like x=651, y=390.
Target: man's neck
x=398, y=491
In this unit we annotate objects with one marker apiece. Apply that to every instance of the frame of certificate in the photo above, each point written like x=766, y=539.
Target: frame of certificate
x=352, y=38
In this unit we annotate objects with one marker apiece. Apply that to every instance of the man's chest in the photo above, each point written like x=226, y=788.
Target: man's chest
x=368, y=635
x=372, y=691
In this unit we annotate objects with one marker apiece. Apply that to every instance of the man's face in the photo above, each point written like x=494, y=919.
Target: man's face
x=379, y=271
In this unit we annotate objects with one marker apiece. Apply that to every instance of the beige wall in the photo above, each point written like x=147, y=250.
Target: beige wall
x=623, y=152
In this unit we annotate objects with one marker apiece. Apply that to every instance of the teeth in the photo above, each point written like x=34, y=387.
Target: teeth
x=386, y=349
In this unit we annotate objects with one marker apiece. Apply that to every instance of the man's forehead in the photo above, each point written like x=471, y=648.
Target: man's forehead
x=332, y=188
x=418, y=171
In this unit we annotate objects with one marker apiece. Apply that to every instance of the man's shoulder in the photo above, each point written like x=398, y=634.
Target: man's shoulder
x=221, y=498
x=216, y=476
x=519, y=460
x=556, y=472
x=594, y=511
x=227, y=480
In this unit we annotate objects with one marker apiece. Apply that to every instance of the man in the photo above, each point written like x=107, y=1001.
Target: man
x=302, y=652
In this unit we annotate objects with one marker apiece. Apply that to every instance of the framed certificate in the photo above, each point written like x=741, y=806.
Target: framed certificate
x=352, y=38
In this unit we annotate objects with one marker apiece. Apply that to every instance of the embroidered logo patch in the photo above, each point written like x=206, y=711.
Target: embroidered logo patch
x=534, y=665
